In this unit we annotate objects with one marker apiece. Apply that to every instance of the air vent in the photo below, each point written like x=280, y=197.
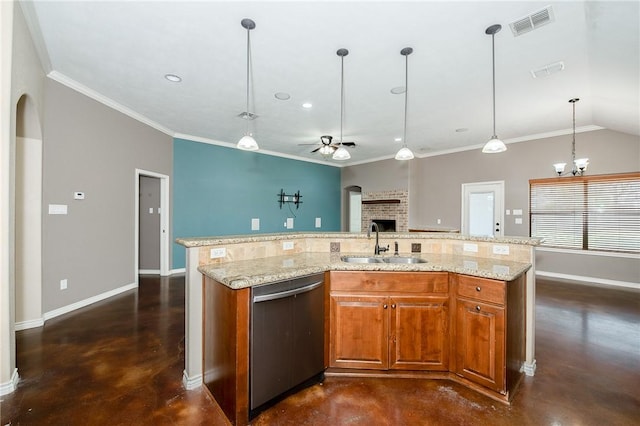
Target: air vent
x=532, y=21
x=547, y=70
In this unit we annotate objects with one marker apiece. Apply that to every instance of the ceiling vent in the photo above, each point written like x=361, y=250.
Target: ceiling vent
x=547, y=70
x=532, y=21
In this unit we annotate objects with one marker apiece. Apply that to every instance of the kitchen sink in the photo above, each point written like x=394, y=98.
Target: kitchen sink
x=370, y=259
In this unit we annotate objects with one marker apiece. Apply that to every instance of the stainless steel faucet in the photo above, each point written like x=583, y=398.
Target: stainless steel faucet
x=377, y=249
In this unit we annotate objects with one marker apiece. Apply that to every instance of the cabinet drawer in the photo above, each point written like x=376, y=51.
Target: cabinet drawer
x=482, y=289
x=398, y=282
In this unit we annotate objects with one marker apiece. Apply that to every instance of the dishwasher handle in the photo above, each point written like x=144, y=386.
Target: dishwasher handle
x=287, y=293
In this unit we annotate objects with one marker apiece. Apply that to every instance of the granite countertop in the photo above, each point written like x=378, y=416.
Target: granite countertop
x=249, y=273
x=234, y=239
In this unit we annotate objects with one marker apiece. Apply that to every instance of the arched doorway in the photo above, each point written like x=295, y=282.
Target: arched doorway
x=28, y=216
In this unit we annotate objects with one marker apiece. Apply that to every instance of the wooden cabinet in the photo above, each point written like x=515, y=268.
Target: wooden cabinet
x=487, y=352
x=382, y=320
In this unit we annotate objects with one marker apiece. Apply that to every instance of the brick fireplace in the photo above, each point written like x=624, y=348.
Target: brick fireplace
x=386, y=206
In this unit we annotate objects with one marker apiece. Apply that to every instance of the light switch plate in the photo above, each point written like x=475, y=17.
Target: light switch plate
x=57, y=209
x=218, y=252
x=255, y=224
x=287, y=245
x=470, y=247
x=517, y=212
x=518, y=221
x=318, y=222
x=500, y=249
x=289, y=223
x=63, y=284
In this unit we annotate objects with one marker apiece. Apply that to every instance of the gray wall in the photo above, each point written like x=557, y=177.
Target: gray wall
x=92, y=148
x=435, y=185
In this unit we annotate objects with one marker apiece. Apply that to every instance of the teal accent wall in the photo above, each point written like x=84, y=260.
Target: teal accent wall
x=218, y=190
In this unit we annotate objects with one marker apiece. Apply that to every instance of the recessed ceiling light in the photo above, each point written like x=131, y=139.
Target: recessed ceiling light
x=461, y=129
x=307, y=105
x=173, y=78
x=282, y=96
x=398, y=139
x=398, y=90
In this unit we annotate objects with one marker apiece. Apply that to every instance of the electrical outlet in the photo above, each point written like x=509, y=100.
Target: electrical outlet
x=470, y=247
x=63, y=284
x=287, y=245
x=218, y=252
x=500, y=249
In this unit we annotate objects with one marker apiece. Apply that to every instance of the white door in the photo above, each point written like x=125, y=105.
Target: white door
x=355, y=211
x=483, y=209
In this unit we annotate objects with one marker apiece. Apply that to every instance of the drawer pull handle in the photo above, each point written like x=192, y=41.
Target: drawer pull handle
x=478, y=288
x=393, y=306
x=384, y=306
x=478, y=308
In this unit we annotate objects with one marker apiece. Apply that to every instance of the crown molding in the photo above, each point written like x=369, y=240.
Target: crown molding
x=71, y=83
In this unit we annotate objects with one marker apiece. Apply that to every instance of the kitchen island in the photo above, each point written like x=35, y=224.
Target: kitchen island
x=237, y=263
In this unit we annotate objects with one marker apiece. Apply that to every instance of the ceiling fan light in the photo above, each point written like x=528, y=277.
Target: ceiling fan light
x=494, y=146
x=341, y=154
x=247, y=143
x=326, y=150
x=404, y=154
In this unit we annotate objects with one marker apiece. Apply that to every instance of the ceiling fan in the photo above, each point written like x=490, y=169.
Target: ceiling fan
x=327, y=146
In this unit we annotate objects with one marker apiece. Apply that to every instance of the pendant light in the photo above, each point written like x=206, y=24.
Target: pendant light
x=579, y=165
x=494, y=145
x=247, y=142
x=341, y=153
x=405, y=153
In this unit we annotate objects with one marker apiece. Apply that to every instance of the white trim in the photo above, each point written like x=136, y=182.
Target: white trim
x=149, y=271
x=588, y=252
x=593, y=280
x=530, y=368
x=11, y=385
x=71, y=83
x=164, y=221
x=86, y=302
x=191, y=383
x=200, y=139
x=178, y=271
x=25, y=325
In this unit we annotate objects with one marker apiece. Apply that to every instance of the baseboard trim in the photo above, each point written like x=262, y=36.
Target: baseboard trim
x=530, y=368
x=178, y=271
x=191, y=383
x=89, y=301
x=582, y=279
x=25, y=325
x=149, y=271
x=11, y=385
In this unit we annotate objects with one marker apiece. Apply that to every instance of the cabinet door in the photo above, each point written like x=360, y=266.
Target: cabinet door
x=359, y=330
x=480, y=345
x=419, y=333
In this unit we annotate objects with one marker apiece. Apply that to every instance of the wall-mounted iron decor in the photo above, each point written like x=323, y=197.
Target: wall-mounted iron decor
x=289, y=198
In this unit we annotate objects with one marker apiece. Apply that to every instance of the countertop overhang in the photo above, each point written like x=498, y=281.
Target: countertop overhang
x=248, y=273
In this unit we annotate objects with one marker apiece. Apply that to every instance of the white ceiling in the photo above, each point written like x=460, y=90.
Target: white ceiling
x=120, y=51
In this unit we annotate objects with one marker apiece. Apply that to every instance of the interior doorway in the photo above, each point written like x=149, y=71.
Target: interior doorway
x=354, y=208
x=151, y=223
x=483, y=209
x=27, y=212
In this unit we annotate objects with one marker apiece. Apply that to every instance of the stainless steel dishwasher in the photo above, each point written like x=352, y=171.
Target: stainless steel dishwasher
x=287, y=339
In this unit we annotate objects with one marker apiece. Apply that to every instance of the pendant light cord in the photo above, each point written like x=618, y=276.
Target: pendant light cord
x=573, y=142
x=341, y=95
x=493, y=60
x=406, y=94
x=248, y=69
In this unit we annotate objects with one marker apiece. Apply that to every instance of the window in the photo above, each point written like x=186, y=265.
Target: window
x=587, y=212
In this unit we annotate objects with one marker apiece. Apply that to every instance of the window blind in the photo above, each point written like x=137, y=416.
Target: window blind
x=587, y=212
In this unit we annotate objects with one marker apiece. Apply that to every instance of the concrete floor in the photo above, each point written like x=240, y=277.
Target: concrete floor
x=120, y=362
